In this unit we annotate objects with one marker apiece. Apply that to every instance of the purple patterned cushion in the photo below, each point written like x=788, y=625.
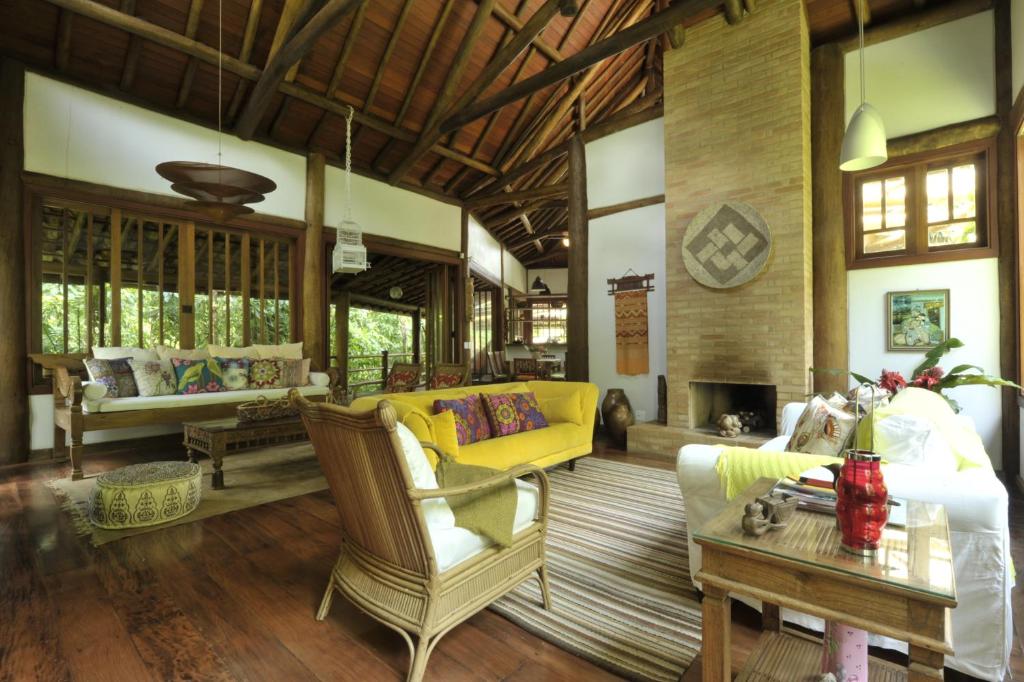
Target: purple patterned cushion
x=501, y=413
x=471, y=423
x=116, y=375
x=528, y=412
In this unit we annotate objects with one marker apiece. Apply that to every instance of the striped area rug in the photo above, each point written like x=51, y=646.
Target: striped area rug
x=619, y=571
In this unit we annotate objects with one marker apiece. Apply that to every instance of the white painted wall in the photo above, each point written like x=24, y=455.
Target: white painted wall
x=931, y=78
x=627, y=165
x=631, y=239
x=390, y=211
x=1017, y=40
x=72, y=132
x=557, y=279
x=974, y=319
x=485, y=251
x=515, y=272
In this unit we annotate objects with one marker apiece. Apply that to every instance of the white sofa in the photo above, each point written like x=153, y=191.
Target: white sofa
x=976, y=504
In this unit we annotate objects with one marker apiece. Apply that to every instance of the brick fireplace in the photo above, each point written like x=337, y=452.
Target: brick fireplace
x=737, y=127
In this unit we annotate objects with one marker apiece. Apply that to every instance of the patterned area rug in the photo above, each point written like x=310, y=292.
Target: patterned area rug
x=250, y=478
x=618, y=565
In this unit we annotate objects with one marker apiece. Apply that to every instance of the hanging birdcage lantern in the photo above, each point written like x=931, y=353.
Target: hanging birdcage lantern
x=349, y=253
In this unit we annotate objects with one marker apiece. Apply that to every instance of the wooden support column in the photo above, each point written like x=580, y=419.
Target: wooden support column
x=464, y=297
x=1007, y=228
x=831, y=339
x=14, y=446
x=186, y=284
x=417, y=343
x=341, y=308
x=313, y=330
x=578, y=346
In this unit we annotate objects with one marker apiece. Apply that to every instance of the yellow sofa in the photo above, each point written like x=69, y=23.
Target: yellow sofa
x=559, y=442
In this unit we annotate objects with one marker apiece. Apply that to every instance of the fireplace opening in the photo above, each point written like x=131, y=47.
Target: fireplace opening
x=755, y=403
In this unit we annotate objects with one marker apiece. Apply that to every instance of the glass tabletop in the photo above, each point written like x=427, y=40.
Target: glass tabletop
x=916, y=557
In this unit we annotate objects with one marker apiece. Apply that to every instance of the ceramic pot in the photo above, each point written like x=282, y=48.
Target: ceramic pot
x=617, y=414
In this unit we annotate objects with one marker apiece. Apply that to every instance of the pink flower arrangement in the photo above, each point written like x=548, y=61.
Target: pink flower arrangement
x=929, y=378
x=892, y=381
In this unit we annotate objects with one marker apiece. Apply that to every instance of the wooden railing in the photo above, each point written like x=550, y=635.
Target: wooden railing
x=377, y=363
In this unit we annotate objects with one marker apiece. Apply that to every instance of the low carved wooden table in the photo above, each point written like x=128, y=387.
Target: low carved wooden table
x=905, y=593
x=219, y=437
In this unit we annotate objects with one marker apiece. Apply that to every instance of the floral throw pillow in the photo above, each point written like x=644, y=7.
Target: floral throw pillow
x=234, y=373
x=528, y=411
x=197, y=376
x=823, y=429
x=401, y=380
x=116, y=375
x=265, y=374
x=501, y=413
x=154, y=377
x=471, y=423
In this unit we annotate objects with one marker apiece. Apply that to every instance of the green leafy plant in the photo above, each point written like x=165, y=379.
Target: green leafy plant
x=930, y=376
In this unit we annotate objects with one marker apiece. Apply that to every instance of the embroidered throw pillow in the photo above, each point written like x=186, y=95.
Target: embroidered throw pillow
x=197, y=376
x=501, y=413
x=234, y=373
x=154, y=377
x=528, y=412
x=116, y=375
x=822, y=429
x=471, y=423
x=266, y=374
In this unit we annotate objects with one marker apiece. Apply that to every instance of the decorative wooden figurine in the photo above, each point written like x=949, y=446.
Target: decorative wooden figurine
x=754, y=522
x=767, y=512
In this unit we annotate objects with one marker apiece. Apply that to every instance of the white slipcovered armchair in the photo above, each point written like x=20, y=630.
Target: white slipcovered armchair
x=976, y=504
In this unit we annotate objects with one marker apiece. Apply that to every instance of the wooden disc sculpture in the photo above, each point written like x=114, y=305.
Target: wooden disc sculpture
x=221, y=192
x=726, y=245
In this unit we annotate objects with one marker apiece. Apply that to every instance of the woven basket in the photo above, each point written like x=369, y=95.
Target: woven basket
x=262, y=409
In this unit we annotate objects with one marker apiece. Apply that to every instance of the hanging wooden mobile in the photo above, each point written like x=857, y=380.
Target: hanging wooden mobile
x=219, y=191
x=631, y=282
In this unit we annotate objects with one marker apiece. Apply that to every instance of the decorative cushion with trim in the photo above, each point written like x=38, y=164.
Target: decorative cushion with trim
x=234, y=372
x=154, y=377
x=286, y=351
x=471, y=423
x=197, y=376
x=529, y=413
x=446, y=436
x=822, y=429
x=118, y=352
x=562, y=410
x=446, y=379
x=501, y=413
x=115, y=374
x=167, y=352
x=266, y=374
x=401, y=380
x=232, y=352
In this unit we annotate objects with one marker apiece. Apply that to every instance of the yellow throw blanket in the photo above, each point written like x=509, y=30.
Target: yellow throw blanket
x=738, y=468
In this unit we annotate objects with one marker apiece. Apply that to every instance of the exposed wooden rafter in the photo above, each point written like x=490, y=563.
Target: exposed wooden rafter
x=194, y=10
x=285, y=58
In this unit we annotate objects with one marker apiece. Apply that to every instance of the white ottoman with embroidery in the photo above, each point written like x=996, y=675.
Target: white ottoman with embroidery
x=145, y=494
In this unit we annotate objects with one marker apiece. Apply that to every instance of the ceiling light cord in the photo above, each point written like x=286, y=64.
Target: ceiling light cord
x=860, y=27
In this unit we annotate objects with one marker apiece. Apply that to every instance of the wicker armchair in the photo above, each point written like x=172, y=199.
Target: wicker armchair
x=403, y=377
x=388, y=566
x=448, y=376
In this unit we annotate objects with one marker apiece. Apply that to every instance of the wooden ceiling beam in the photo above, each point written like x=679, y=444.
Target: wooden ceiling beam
x=131, y=58
x=339, y=66
x=515, y=24
x=191, y=25
x=455, y=72
x=542, y=192
x=584, y=59
x=252, y=22
x=273, y=76
x=383, y=65
x=65, y=28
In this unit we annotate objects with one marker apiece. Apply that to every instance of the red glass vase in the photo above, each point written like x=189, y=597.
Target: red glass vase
x=861, y=502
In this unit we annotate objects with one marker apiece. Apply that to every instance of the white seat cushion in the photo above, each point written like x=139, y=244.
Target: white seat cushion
x=452, y=546
x=192, y=400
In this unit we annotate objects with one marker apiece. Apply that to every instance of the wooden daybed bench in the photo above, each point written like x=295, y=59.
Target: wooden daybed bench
x=75, y=413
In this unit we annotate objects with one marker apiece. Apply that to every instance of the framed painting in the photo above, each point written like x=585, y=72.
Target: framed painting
x=916, y=320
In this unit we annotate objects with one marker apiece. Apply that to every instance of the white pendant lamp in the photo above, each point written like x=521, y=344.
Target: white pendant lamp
x=864, y=143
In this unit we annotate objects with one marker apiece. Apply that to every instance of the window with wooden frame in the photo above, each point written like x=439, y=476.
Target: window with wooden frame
x=107, y=276
x=926, y=207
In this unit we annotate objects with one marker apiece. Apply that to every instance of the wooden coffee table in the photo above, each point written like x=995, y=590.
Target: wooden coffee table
x=905, y=593
x=219, y=437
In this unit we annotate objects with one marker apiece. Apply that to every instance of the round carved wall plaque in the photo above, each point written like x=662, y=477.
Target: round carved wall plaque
x=726, y=245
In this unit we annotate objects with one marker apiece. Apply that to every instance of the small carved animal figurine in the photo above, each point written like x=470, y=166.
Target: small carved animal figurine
x=754, y=522
x=778, y=507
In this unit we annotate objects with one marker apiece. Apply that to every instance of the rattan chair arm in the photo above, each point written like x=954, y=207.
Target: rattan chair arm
x=491, y=482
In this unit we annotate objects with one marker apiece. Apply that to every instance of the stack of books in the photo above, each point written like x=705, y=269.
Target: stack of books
x=810, y=497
